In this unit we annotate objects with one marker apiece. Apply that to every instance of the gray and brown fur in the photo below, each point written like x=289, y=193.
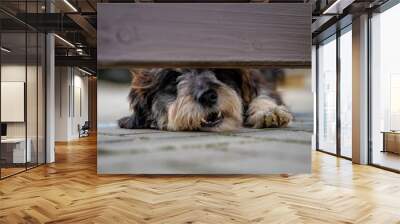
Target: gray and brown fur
x=204, y=100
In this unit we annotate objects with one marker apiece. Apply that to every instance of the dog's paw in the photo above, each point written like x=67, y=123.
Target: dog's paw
x=268, y=115
x=278, y=117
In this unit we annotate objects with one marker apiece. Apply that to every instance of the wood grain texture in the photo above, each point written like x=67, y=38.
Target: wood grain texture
x=70, y=191
x=204, y=35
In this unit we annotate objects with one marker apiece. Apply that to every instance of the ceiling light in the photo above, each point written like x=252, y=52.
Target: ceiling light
x=5, y=50
x=79, y=51
x=65, y=41
x=84, y=71
x=338, y=6
x=70, y=5
x=333, y=6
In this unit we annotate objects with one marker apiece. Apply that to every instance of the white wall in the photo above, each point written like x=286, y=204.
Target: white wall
x=62, y=81
x=17, y=73
x=80, y=112
x=70, y=84
x=33, y=125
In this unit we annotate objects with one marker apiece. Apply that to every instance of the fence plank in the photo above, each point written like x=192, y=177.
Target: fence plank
x=204, y=35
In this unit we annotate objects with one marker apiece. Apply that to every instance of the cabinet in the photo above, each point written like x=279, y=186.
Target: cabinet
x=391, y=142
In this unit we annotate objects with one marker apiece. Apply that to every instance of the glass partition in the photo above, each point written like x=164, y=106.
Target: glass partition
x=22, y=92
x=14, y=153
x=34, y=57
x=41, y=96
x=32, y=96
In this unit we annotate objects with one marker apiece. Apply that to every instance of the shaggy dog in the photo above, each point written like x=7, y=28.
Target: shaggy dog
x=203, y=100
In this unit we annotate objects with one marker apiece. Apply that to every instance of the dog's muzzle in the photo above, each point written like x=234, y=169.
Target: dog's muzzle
x=212, y=119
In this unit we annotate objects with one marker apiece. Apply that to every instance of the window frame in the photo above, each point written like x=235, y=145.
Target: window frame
x=346, y=22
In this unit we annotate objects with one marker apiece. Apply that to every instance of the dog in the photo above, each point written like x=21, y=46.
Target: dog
x=215, y=100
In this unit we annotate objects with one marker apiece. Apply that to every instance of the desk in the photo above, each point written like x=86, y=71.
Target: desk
x=13, y=150
x=391, y=141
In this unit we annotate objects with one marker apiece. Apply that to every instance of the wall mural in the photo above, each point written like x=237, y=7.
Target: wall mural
x=220, y=95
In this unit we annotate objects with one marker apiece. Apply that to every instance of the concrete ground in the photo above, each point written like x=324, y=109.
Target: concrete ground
x=250, y=151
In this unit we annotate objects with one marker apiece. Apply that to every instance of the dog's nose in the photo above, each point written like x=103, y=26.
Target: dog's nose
x=208, y=98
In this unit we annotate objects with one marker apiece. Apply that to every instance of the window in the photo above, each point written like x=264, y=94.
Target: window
x=334, y=99
x=385, y=89
x=327, y=95
x=345, y=92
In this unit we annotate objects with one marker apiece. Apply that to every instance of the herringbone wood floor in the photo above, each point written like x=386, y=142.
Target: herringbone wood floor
x=70, y=191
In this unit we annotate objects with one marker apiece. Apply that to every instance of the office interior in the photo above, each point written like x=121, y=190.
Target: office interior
x=27, y=63
x=48, y=79
x=48, y=119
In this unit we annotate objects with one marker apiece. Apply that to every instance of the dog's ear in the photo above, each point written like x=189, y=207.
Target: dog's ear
x=145, y=84
x=248, y=86
x=139, y=99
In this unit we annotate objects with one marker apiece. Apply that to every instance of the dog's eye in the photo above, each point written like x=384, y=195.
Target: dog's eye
x=171, y=88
